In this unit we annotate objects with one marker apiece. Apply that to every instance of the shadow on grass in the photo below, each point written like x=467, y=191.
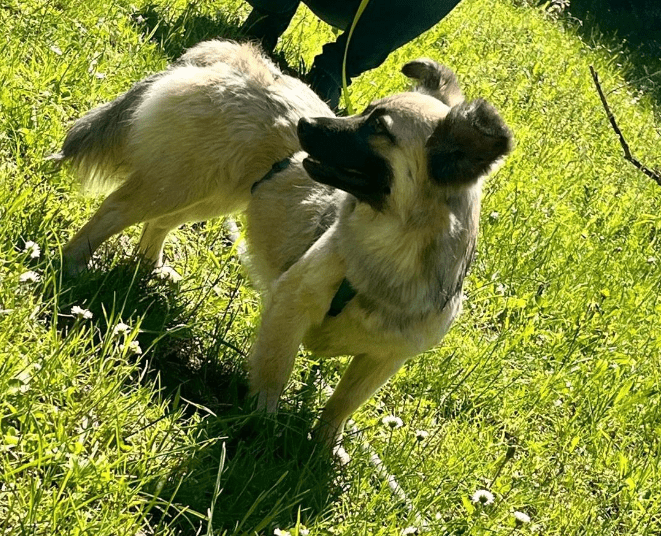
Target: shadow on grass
x=270, y=471
x=249, y=472
x=260, y=474
x=631, y=28
x=175, y=35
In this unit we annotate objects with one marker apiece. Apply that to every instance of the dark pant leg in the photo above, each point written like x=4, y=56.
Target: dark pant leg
x=268, y=20
x=384, y=26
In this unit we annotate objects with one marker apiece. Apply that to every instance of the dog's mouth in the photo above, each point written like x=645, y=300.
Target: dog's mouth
x=361, y=184
x=336, y=176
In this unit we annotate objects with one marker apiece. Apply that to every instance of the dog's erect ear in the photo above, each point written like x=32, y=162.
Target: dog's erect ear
x=465, y=144
x=435, y=80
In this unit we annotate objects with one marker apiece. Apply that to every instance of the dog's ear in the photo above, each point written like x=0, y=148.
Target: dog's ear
x=435, y=80
x=465, y=144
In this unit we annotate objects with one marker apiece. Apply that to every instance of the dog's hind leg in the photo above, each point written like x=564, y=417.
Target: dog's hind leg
x=156, y=230
x=365, y=374
x=152, y=240
x=117, y=212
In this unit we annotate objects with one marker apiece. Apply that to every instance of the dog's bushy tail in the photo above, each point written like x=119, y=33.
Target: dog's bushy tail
x=95, y=146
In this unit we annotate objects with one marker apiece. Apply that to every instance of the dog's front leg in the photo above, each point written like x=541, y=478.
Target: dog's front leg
x=299, y=299
x=365, y=374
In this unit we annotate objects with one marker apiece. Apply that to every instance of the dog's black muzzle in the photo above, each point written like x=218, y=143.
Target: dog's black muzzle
x=340, y=155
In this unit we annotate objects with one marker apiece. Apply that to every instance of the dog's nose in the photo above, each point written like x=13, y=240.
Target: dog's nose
x=305, y=126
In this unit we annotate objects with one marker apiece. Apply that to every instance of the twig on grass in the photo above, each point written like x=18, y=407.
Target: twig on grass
x=625, y=146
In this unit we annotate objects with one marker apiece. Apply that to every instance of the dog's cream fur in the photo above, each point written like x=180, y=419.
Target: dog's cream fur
x=192, y=142
x=183, y=154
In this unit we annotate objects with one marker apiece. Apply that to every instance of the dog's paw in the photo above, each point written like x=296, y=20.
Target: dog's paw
x=167, y=274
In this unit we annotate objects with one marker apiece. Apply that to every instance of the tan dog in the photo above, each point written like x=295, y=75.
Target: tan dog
x=360, y=235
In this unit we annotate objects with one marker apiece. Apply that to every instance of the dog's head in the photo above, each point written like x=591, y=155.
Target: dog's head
x=430, y=138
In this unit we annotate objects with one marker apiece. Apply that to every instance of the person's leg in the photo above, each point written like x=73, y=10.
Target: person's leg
x=268, y=20
x=384, y=26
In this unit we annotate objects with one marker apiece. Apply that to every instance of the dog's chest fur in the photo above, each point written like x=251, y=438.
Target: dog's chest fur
x=402, y=273
x=407, y=279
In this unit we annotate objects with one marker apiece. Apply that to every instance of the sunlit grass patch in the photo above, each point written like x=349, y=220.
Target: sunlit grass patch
x=122, y=394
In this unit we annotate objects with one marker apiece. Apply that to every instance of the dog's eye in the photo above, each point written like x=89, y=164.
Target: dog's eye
x=381, y=126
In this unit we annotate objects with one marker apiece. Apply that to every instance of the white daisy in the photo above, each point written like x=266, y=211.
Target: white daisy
x=392, y=422
x=121, y=329
x=410, y=530
x=29, y=277
x=80, y=313
x=421, y=435
x=521, y=518
x=32, y=249
x=132, y=348
x=279, y=532
x=482, y=496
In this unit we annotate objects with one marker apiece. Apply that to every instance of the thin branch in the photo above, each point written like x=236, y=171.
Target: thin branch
x=625, y=146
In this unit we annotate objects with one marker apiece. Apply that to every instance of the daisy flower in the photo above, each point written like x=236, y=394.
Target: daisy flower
x=121, y=329
x=32, y=249
x=421, y=435
x=521, y=518
x=482, y=496
x=392, y=422
x=80, y=313
x=29, y=277
x=132, y=348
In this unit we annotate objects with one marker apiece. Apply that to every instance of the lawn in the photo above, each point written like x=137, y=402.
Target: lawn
x=545, y=393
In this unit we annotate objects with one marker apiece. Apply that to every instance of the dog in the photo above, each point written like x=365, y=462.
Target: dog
x=360, y=229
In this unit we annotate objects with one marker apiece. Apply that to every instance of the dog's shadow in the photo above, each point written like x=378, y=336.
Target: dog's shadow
x=251, y=471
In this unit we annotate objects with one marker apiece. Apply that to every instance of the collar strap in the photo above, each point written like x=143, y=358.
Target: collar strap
x=275, y=169
x=346, y=292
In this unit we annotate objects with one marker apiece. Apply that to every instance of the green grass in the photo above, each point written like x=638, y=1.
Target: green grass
x=546, y=391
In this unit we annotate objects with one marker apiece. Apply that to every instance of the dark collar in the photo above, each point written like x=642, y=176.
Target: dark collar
x=276, y=168
x=346, y=292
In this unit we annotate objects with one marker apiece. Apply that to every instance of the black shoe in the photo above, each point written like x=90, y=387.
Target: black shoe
x=324, y=85
x=266, y=27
